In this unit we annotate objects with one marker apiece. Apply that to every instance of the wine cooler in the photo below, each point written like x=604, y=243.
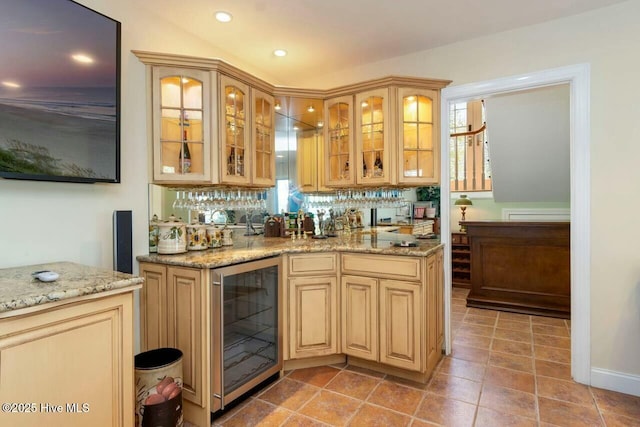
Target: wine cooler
x=246, y=327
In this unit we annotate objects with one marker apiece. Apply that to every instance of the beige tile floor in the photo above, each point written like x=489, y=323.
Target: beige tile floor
x=505, y=370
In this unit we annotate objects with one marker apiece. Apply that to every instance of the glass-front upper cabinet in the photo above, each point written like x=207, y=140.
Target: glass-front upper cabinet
x=339, y=152
x=263, y=138
x=373, y=165
x=181, y=129
x=234, y=134
x=418, y=147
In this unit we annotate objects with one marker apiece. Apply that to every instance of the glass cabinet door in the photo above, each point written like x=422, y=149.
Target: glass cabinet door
x=264, y=164
x=418, y=149
x=339, y=142
x=372, y=137
x=181, y=145
x=234, y=138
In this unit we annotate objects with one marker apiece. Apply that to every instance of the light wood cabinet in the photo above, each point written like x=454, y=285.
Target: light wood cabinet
x=153, y=305
x=313, y=316
x=181, y=117
x=418, y=145
x=312, y=305
x=234, y=133
x=311, y=164
x=209, y=128
x=359, y=297
x=373, y=127
x=263, y=149
x=339, y=132
x=173, y=307
x=400, y=324
x=392, y=309
x=77, y=355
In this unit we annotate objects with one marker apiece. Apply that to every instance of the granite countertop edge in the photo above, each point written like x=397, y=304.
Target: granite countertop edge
x=213, y=258
x=19, y=290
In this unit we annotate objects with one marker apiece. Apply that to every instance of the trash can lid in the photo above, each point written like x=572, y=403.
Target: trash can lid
x=157, y=358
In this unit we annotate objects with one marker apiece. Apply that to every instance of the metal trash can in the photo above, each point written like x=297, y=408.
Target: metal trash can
x=159, y=388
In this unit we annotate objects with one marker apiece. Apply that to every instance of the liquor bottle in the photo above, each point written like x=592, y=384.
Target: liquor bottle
x=364, y=166
x=186, y=155
x=377, y=165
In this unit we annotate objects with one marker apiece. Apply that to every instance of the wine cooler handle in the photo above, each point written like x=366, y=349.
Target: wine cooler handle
x=220, y=285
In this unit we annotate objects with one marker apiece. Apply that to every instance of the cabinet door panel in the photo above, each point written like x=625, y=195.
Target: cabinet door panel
x=185, y=294
x=360, y=317
x=433, y=322
x=339, y=154
x=400, y=328
x=263, y=136
x=153, y=300
x=181, y=125
x=235, y=110
x=418, y=150
x=372, y=136
x=313, y=321
x=81, y=354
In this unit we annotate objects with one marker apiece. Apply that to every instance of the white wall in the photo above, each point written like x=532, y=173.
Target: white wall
x=528, y=134
x=608, y=39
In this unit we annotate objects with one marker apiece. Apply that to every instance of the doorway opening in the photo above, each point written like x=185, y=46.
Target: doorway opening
x=578, y=78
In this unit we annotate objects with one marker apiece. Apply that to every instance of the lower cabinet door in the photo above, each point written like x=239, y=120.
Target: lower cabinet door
x=400, y=324
x=359, y=296
x=313, y=317
x=184, y=312
x=69, y=366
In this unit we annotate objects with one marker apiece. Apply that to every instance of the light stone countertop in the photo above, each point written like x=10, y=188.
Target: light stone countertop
x=249, y=248
x=18, y=289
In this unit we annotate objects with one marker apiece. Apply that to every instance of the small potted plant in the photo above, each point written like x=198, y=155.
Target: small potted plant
x=430, y=193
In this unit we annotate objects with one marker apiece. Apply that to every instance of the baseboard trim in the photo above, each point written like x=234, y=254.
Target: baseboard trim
x=616, y=381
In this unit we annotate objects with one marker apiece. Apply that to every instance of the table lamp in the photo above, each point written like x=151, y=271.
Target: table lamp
x=463, y=202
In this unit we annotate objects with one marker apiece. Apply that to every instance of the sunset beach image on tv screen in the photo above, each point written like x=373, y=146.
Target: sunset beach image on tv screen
x=58, y=92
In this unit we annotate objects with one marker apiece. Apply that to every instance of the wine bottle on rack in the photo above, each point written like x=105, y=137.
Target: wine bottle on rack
x=186, y=155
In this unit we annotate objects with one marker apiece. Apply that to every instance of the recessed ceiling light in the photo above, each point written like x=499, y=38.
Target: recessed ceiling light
x=223, y=16
x=280, y=52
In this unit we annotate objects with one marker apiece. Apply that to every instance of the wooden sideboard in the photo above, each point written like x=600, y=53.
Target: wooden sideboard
x=521, y=267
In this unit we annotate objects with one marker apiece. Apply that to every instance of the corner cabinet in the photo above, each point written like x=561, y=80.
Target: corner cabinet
x=246, y=135
x=312, y=305
x=388, y=135
x=211, y=123
x=181, y=115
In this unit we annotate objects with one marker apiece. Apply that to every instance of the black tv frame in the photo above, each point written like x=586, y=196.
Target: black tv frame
x=117, y=142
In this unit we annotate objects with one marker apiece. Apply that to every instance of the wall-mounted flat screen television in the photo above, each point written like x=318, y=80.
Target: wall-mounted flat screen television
x=59, y=92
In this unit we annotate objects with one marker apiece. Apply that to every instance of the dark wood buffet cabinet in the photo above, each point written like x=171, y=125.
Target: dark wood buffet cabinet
x=519, y=266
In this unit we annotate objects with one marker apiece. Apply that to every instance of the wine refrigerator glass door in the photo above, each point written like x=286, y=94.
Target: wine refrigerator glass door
x=246, y=327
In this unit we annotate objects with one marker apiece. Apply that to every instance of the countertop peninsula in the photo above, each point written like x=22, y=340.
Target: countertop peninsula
x=18, y=289
x=249, y=248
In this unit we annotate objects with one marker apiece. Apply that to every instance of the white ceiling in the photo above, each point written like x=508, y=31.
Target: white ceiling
x=330, y=35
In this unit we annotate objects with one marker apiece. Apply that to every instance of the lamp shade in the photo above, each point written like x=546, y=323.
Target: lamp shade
x=463, y=201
